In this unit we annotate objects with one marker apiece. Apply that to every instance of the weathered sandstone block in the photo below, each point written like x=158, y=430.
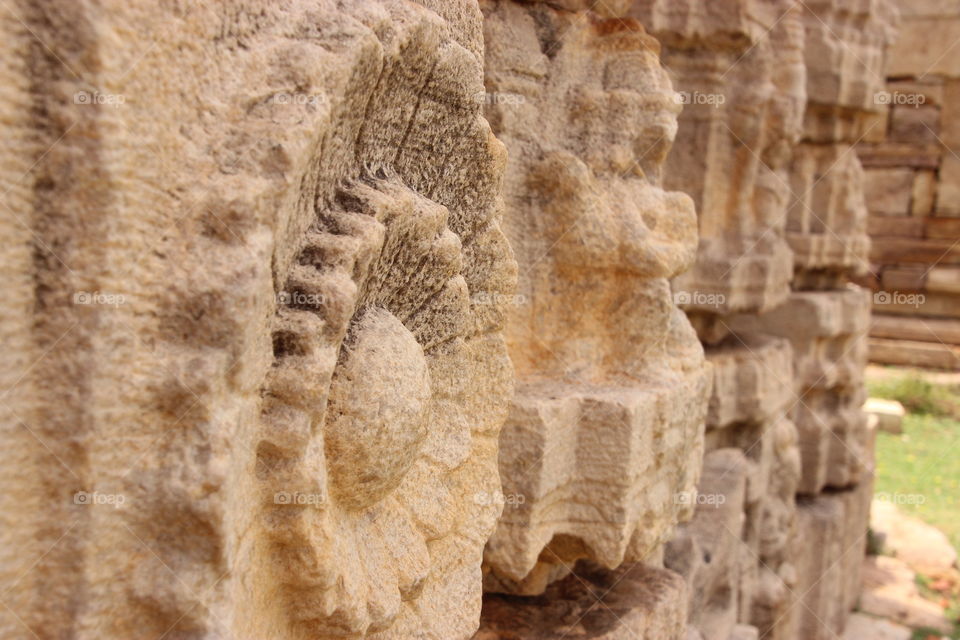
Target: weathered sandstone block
x=259, y=377
x=845, y=44
x=753, y=381
x=708, y=551
x=739, y=70
x=827, y=331
x=830, y=545
x=827, y=223
x=606, y=425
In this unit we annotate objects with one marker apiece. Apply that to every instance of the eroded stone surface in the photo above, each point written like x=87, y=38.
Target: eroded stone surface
x=739, y=70
x=256, y=285
x=828, y=581
x=827, y=331
x=750, y=406
x=606, y=426
x=270, y=393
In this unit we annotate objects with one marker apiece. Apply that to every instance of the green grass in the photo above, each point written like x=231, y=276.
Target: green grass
x=919, y=396
x=924, y=461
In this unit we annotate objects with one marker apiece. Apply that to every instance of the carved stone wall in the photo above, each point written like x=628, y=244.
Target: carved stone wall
x=605, y=429
x=775, y=95
x=402, y=319
x=256, y=271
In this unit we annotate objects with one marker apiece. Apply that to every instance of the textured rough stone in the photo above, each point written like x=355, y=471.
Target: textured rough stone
x=827, y=331
x=259, y=315
x=606, y=425
x=827, y=225
x=776, y=96
x=828, y=581
x=749, y=407
x=922, y=546
x=258, y=398
x=888, y=191
x=738, y=66
x=889, y=413
x=863, y=627
x=708, y=551
x=890, y=590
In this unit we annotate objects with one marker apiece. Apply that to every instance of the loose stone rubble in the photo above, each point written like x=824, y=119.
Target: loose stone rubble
x=440, y=319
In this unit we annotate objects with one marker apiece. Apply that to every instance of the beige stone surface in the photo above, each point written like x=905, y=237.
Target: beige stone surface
x=889, y=413
x=923, y=547
x=948, y=187
x=828, y=581
x=826, y=330
x=950, y=116
x=890, y=591
x=255, y=394
x=262, y=327
x=606, y=426
x=845, y=51
x=864, y=627
x=709, y=552
x=924, y=193
x=827, y=223
x=888, y=191
x=747, y=434
x=915, y=123
x=756, y=371
x=926, y=45
x=797, y=418
x=739, y=67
